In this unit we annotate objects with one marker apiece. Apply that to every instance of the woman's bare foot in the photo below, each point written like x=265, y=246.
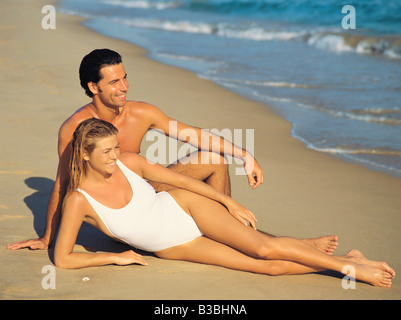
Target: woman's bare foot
x=357, y=257
x=326, y=244
x=372, y=275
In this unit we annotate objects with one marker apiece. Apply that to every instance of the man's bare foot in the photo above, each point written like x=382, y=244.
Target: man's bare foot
x=373, y=276
x=357, y=257
x=326, y=244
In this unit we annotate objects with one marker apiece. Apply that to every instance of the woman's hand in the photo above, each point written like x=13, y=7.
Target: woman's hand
x=241, y=213
x=129, y=257
x=33, y=244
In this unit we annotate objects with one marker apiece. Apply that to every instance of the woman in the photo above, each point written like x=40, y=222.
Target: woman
x=193, y=222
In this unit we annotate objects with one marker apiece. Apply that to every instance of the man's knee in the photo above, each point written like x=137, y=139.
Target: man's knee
x=206, y=157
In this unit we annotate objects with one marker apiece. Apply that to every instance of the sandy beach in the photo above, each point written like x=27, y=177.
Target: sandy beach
x=305, y=193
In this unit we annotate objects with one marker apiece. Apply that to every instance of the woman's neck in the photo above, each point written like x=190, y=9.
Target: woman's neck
x=96, y=178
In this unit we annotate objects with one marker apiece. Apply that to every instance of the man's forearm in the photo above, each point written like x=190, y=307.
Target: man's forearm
x=206, y=140
x=214, y=143
x=54, y=212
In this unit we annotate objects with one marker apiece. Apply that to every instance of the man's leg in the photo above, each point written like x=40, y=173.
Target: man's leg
x=209, y=167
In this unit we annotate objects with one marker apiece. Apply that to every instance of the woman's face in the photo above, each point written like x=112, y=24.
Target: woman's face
x=104, y=157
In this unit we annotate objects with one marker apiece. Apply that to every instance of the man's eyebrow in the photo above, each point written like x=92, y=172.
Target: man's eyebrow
x=115, y=80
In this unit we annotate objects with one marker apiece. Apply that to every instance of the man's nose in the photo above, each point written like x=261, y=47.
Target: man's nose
x=124, y=85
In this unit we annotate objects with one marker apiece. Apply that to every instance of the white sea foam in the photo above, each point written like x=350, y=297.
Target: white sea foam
x=329, y=42
x=177, y=26
x=378, y=115
x=357, y=155
x=387, y=46
x=257, y=33
x=278, y=84
x=345, y=150
x=143, y=4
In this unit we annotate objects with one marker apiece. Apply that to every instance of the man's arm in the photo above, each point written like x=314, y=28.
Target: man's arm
x=56, y=196
x=205, y=140
x=58, y=193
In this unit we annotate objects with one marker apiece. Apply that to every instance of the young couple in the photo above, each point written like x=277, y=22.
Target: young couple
x=186, y=216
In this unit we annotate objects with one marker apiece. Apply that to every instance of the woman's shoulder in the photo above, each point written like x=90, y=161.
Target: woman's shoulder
x=75, y=201
x=133, y=161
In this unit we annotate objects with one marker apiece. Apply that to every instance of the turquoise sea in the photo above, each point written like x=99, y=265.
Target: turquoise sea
x=334, y=74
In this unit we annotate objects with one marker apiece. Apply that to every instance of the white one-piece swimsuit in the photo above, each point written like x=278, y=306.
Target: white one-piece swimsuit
x=150, y=221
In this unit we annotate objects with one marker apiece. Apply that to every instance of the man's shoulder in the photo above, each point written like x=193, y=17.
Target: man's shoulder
x=140, y=107
x=144, y=111
x=75, y=119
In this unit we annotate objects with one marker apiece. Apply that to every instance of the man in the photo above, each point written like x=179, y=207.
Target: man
x=104, y=79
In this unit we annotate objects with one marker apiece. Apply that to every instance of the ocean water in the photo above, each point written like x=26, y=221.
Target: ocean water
x=340, y=87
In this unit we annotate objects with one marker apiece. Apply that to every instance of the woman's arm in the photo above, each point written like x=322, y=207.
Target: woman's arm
x=158, y=173
x=71, y=221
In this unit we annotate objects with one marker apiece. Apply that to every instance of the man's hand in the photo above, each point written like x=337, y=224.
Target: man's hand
x=34, y=244
x=253, y=171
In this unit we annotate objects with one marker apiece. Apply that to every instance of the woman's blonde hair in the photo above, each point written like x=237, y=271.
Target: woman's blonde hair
x=84, y=141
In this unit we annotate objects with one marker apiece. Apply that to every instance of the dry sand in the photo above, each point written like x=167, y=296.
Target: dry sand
x=305, y=194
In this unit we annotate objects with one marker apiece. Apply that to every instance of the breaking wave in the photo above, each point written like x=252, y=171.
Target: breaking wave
x=320, y=36
x=387, y=46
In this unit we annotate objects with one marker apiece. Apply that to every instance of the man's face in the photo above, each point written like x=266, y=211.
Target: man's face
x=113, y=87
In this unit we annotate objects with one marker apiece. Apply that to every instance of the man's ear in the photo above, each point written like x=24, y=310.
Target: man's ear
x=93, y=87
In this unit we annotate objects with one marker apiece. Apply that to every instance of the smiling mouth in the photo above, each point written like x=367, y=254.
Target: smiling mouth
x=122, y=97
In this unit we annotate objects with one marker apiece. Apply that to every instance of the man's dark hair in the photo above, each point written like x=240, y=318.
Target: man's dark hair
x=89, y=70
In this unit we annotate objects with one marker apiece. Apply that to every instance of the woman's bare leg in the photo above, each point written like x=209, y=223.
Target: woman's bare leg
x=326, y=244
x=207, y=251
x=216, y=223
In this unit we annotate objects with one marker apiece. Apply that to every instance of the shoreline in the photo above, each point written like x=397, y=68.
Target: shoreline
x=313, y=99
x=306, y=193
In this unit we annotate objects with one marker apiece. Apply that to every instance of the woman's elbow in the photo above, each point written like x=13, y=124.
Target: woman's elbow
x=61, y=261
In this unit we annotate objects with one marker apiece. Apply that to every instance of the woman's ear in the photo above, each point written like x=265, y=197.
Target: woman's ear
x=86, y=157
